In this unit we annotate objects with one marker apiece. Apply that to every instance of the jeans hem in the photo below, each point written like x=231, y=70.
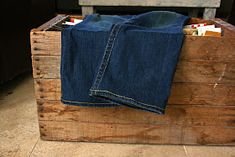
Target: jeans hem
x=88, y=104
x=122, y=100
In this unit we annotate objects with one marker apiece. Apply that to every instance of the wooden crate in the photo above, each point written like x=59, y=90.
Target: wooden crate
x=201, y=108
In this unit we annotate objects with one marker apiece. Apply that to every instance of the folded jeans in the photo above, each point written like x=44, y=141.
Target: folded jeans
x=121, y=60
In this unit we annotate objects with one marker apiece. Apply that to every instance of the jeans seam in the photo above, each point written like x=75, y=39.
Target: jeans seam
x=106, y=56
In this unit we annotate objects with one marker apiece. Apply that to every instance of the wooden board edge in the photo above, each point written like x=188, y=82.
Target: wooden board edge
x=136, y=134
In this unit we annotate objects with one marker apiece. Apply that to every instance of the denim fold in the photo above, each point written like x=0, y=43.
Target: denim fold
x=121, y=60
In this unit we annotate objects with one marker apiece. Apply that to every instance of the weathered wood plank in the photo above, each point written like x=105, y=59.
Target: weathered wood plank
x=45, y=42
x=187, y=71
x=186, y=115
x=46, y=66
x=160, y=3
x=201, y=71
x=181, y=93
x=224, y=25
x=197, y=48
x=194, y=48
x=136, y=133
x=48, y=89
x=51, y=22
x=202, y=93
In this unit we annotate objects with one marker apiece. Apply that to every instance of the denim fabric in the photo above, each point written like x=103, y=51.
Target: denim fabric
x=121, y=60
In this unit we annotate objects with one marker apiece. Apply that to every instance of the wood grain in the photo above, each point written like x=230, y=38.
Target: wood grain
x=187, y=71
x=53, y=21
x=201, y=71
x=45, y=42
x=228, y=28
x=181, y=93
x=159, y=3
x=194, y=47
x=186, y=115
x=200, y=110
x=136, y=133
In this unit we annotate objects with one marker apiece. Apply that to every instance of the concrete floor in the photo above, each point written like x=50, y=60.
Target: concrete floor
x=19, y=133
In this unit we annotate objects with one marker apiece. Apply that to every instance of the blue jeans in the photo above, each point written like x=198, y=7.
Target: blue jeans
x=121, y=60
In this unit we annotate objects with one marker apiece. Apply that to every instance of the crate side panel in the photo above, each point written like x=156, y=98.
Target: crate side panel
x=132, y=133
x=181, y=93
